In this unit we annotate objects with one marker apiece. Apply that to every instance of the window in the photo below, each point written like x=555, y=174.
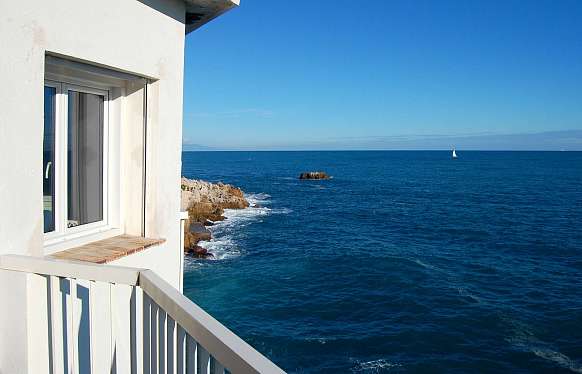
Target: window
x=74, y=159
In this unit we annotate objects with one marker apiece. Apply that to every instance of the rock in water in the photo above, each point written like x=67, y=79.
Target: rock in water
x=314, y=175
x=205, y=203
x=200, y=252
x=195, y=233
x=202, y=198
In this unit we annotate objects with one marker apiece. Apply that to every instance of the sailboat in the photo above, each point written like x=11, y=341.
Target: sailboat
x=454, y=153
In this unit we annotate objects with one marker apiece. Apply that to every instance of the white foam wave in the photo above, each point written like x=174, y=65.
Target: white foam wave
x=319, y=340
x=375, y=366
x=525, y=340
x=190, y=263
x=281, y=211
x=258, y=196
x=221, y=248
x=464, y=292
x=425, y=265
x=260, y=199
x=224, y=233
x=558, y=358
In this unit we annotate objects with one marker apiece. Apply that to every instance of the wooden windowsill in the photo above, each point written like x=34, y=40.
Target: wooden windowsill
x=107, y=250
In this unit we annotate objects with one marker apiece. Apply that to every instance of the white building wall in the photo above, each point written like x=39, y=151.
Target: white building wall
x=150, y=259
x=128, y=35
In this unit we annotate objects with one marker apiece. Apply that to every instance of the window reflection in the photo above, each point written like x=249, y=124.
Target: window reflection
x=84, y=158
x=48, y=159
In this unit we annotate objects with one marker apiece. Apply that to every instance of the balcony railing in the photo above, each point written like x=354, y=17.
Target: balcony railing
x=110, y=319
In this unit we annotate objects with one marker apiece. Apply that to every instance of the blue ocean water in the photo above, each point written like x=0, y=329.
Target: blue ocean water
x=403, y=262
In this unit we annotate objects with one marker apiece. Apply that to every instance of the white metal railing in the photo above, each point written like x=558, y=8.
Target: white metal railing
x=111, y=319
x=183, y=218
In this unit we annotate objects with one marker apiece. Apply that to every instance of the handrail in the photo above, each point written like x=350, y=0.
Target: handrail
x=225, y=346
x=229, y=349
x=71, y=269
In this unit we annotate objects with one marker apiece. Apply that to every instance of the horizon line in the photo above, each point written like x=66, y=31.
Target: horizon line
x=380, y=150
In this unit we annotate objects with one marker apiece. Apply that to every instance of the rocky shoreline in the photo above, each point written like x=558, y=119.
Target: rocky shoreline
x=205, y=203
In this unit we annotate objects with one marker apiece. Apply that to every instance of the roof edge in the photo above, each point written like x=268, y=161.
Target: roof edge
x=200, y=12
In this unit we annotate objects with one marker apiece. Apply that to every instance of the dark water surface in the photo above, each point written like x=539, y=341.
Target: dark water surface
x=403, y=262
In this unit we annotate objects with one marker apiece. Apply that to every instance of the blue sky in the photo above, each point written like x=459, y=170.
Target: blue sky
x=323, y=74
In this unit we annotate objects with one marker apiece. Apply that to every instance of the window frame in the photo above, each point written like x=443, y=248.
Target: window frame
x=56, y=159
x=62, y=233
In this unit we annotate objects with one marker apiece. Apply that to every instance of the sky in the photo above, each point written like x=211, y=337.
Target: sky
x=410, y=74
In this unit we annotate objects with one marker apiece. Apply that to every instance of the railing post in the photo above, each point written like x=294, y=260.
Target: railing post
x=123, y=320
x=170, y=345
x=56, y=321
x=154, y=347
x=203, y=360
x=180, y=350
x=100, y=327
x=183, y=218
x=73, y=321
x=162, y=346
x=147, y=350
x=191, y=356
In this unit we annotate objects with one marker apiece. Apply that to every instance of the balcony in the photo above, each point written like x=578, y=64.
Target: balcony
x=111, y=319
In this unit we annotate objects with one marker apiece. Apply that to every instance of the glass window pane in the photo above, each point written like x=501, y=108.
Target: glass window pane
x=48, y=159
x=84, y=158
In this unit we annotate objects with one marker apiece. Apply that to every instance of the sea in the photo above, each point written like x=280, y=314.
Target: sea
x=404, y=261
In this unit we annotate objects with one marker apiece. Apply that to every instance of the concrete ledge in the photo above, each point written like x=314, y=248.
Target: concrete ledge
x=200, y=12
x=107, y=250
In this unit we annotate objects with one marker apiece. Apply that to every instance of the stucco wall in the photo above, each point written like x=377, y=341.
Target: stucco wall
x=128, y=35
x=150, y=259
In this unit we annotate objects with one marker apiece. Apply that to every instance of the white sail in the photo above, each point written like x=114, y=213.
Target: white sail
x=454, y=154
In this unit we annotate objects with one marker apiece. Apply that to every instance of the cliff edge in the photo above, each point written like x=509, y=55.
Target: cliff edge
x=205, y=203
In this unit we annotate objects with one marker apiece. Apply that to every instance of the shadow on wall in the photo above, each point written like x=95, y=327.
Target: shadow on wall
x=168, y=8
x=84, y=335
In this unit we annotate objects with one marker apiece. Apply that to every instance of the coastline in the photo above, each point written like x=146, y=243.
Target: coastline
x=207, y=204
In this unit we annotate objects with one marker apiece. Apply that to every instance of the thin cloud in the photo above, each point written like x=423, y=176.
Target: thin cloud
x=549, y=140
x=248, y=112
